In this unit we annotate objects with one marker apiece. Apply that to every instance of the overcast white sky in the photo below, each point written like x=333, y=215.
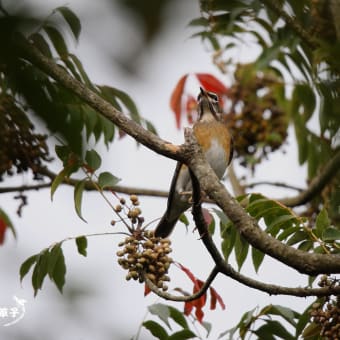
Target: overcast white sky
x=98, y=302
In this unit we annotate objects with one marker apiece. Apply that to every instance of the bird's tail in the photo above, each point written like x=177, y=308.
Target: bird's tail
x=165, y=226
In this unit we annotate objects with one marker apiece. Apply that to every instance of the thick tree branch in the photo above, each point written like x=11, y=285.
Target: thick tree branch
x=306, y=263
x=226, y=269
x=148, y=139
x=191, y=155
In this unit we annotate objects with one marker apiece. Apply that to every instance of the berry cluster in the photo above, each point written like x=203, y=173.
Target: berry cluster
x=143, y=255
x=257, y=121
x=146, y=256
x=20, y=147
x=327, y=312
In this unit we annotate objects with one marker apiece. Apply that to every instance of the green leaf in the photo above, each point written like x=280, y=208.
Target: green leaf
x=53, y=258
x=59, y=270
x=106, y=179
x=178, y=317
x=302, y=322
x=199, y=22
x=26, y=266
x=57, y=40
x=241, y=250
x=150, y=127
x=90, y=118
x=79, y=65
x=183, y=334
x=306, y=245
x=322, y=222
x=331, y=234
x=272, y=328
x=78, y=196
x=301, y=135
x=229, y=233
x=156, y=329
x=63, y=152
x=81, y=243
x=40, y=42
x=162, y=311
x=311, y=331
x=40, y=270
x=184, y=220
x=287, y=232
x=125, y=99
x=71, y=19
x=287, y=313
x=93, y=159
x=58, y=180
x=207, y=326
x=72, y=68
x=297, y=237
x=257, y=257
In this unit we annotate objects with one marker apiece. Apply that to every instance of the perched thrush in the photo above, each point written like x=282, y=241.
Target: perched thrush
x=215, y=140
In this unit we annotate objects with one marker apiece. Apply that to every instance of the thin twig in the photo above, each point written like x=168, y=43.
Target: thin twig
x=184, y=298
x=274, y=184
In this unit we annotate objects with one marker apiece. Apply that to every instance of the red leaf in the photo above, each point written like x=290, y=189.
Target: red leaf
x=199, y=314
x=198, y=304
x=191, y=109
x=3, y=228
x=188, y=306
x=211, y=83
x=147, y=290
x=189, y=274
x=207, y=216
x=215, y=297
x=176, y=99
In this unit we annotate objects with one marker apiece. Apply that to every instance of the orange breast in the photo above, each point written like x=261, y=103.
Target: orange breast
x=205, y=132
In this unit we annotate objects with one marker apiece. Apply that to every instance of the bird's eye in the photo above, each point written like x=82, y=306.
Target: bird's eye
x=213, y=96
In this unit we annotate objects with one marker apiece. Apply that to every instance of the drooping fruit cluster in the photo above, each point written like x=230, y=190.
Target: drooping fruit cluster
x=326, y=313
x=21, y=148
x=257, y=121
x=146, y=256
x=142, y=254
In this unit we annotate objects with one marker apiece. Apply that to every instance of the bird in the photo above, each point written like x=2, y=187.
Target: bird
x=213, y=136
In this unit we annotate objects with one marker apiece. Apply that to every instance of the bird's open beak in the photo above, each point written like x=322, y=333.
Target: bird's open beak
x=203, y=92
